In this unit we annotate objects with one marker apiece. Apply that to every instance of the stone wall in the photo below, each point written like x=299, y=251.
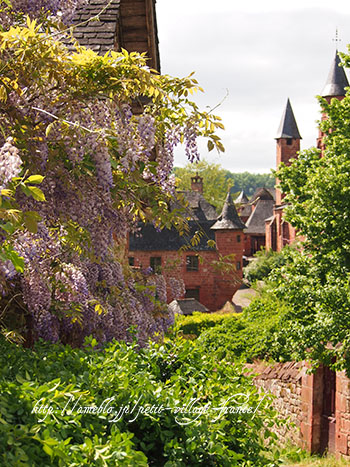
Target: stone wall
x=284, y=382
x=317, y=405
x=342, y=414
x=214, y=289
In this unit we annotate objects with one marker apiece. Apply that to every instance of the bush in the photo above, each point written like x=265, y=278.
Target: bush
x=255, y=333
x=198, y=322
x=170, y=374
x=265, y=261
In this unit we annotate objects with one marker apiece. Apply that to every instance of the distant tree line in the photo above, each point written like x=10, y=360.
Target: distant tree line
x=248, y=182
x=217, y=181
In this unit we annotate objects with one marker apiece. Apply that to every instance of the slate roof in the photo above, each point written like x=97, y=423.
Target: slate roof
x=200, y=208
x=149, y=239
x=336, y=81
x=203, y=216
x=100, y=35
x=228, y=219
x=288, y=127
x=261, y=193
x=242, y=198
x=187, y=306
x=256, y=222
x=245, y=210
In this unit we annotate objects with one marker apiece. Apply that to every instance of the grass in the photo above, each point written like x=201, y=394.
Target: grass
x=314, y=461
x=297, y=457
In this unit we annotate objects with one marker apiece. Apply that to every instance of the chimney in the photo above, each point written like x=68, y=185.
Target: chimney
x=197, y=183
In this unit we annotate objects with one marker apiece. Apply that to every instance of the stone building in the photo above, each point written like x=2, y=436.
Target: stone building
x=262, y=203
x=279, y=232
x=198, y=265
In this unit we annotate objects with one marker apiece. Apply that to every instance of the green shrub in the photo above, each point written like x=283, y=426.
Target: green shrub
x=168, y=375
x=262, y=265
x=255, y=333
x=198, y=322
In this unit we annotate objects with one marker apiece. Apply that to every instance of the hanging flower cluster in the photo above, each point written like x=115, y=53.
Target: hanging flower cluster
x=10, y=163
x=104, y=167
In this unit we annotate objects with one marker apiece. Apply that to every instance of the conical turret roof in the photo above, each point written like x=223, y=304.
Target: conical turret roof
x=336, y=81
x=241, y=198
x=288, y=127
x=228, y=219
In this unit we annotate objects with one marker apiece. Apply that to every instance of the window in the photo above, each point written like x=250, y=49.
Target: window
x=238, y=239
x=192, y=293
x=131, y=261
x=156, y=263
x=289, y=142
x=238, y=265
x=192, y=263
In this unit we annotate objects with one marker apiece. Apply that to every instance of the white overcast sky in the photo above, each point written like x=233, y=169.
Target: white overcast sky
x=261, y=52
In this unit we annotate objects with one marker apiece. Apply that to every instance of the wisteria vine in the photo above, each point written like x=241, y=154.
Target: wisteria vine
x=104, y=167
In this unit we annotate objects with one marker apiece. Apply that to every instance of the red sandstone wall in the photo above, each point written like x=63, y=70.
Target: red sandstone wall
x=214, y=289
x=342, y=415
x=284, y=382
x=285, y=152
x=302, y=396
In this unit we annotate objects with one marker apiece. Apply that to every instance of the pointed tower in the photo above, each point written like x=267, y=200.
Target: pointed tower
x=288, y=142
x=229, y=238
x=244, y=208
x=333, y=89
x=241, y=198
x=336, y=81
x=228, y=219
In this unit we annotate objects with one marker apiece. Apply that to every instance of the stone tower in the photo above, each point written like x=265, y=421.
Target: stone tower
x=229, y=238
x=288, y=142
x=333, y=89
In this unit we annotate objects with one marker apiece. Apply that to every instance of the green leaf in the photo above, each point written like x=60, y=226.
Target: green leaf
x=36, y=179
x=8, y=227
x=36, y=193
x=8, y=253
x=49, y=128
x=210, y=145
x=7, y=192
x=48, y=450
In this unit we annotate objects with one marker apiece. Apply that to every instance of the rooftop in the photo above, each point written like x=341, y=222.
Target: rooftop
x=228, y=219
x=288, y=127
x=99, y=34
x=187, y=306
x=336, y=81
x=256, y=221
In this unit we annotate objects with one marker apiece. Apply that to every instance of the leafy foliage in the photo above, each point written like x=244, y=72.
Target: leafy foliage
x=315, y=280
x=258, y=332
x=215, y=183
x=249, y=182
x=70, y=115
x=195, y=324
x=265, y=261
x=164, y=375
